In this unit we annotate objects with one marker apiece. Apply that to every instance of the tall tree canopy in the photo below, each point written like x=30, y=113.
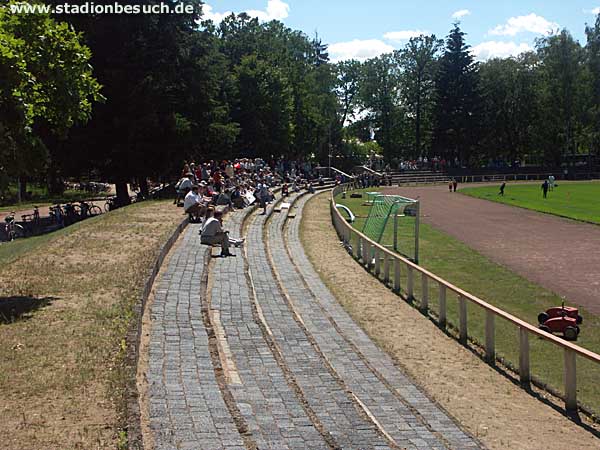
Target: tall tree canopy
x=458, y=100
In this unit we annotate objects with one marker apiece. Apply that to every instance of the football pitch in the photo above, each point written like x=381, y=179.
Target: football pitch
x=580, y=201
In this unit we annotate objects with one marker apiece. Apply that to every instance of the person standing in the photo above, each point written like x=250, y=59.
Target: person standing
x=545, y=187
x=454, y=184
x=502, y=189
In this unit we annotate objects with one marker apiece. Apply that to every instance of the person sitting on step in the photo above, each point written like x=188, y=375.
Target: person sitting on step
x=193, y=205
x=214, y=234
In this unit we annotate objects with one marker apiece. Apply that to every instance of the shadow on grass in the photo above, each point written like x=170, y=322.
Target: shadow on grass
x=16, y=308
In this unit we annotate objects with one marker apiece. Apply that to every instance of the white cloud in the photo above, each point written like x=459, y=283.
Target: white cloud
x=358, y=49
x=461, y=13
x=531, y=23
x=404, y=35
x=275, y=10
x=495, y=49
x=208, y=14
x=594, y=11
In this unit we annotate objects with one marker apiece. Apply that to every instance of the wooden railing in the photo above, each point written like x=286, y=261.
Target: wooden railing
x=371, y=255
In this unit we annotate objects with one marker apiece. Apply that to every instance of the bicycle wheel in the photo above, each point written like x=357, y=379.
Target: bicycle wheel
x=77, y=210
x=107, y=206
x=94, y=210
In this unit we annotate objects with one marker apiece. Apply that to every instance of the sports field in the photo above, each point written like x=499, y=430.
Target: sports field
x=456, y=262
x=580, y=201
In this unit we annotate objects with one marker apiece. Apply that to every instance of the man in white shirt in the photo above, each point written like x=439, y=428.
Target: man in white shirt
x=183, y=186
x=213, y=233
x=192, y=204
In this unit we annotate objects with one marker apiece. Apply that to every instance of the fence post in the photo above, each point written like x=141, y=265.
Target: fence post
x=462, y=319
x=357, y=248
x=490, y=337
x=410, y=283
x=570, y=380
x=386, y=268
x=424, y=293
x=524, y=356
x=365, y=250
x=397, y=275
x=377, y=263
x=443, y=316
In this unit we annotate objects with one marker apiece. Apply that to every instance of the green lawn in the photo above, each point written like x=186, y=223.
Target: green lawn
x=457, y=263
x=580, y=201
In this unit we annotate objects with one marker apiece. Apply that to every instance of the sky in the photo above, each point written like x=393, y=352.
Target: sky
x=365, y=29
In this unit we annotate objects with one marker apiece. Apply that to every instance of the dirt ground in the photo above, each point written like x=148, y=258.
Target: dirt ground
x=64, y=311
x=559, y=254
x=488, y=405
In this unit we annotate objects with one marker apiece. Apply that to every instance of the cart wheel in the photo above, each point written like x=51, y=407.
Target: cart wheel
x=542, y=317
x=579, y=319
x=570, y=334
x=578, y=330
x=545, y=328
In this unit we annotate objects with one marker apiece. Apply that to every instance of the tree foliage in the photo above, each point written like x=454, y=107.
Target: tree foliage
x=46, y=86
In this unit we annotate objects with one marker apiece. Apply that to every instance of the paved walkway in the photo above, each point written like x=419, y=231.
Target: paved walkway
x=255, y=352
x=556, y=253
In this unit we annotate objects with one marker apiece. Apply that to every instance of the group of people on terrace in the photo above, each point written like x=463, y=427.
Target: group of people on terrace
x=210, y=188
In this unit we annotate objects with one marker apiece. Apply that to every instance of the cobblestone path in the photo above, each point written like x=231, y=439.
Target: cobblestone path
x=254, y=352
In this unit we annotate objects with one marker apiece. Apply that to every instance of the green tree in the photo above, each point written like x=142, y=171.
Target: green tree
x=418, y=61
x=458, y=101
x=46, y=86
x=380, y=93
x=592, y=55
x=510, y=106
x=265, y=108
x=561, y=89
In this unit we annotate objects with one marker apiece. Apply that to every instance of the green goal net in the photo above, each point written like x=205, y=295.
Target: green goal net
x=393, y=222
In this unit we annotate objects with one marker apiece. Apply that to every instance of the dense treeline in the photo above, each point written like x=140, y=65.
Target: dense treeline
x=433, y=99
x=165, y=88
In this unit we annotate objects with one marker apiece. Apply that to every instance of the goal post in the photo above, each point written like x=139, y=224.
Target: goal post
x=401, y=233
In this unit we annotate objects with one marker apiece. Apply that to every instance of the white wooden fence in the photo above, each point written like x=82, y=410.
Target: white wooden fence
x=371, y=255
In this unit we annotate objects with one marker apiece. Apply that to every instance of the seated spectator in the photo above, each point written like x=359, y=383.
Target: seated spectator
x=237, y=198
x=182, y=187
x=193, y=205
x=213, y=233
x=284, y=190
x=224, y=199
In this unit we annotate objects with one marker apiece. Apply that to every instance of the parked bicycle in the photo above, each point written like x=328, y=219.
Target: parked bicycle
x=31, y=222
x=111, y=204
x=88, y=209
x=56, y=213
x=13, y=229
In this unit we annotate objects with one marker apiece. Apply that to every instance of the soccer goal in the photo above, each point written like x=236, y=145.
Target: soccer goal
x=393, y=221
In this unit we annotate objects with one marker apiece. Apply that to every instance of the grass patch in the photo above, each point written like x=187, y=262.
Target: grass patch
x=577, y=201
x=457, y=263
x=65, y=305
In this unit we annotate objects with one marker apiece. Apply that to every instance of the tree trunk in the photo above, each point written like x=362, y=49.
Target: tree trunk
x=55, y=183
x=22, y=188
x=418, y=119
x=144, y=189
x=122, y=193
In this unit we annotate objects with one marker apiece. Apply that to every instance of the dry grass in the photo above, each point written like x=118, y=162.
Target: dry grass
x=492, y=408
x=65, y=308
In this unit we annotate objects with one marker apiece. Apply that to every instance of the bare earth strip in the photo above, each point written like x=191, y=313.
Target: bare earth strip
x=559, y=254
x=489, y=406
